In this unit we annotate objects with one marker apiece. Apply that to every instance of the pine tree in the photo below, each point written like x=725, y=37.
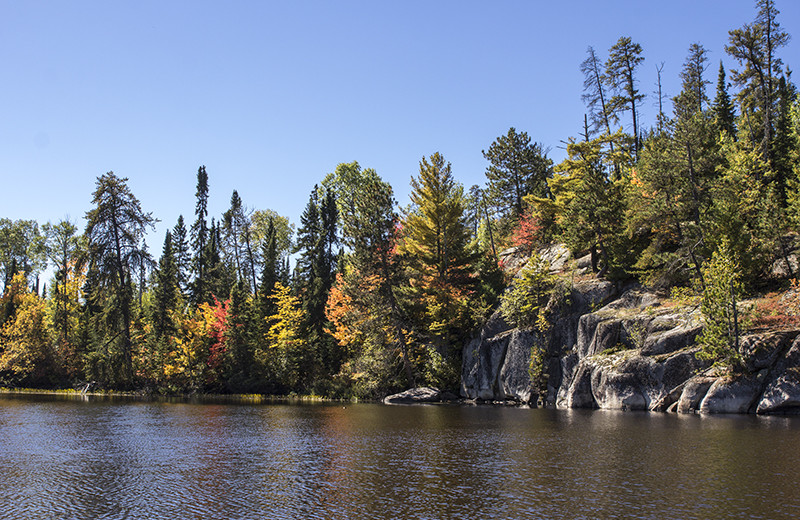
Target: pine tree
x=755, y=48
x=596, y=96
x=724, y=115
x=63, y=247
x=516, y=168
x=720, y=337
x=587, y=202
x=623, y=60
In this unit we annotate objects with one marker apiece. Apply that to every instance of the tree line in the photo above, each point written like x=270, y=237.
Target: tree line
x=383, y=297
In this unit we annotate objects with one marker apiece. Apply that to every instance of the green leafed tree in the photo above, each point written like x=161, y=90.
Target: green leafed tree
x=22, y=249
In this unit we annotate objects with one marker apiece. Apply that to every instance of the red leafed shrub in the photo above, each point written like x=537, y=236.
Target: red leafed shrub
x=527, y=233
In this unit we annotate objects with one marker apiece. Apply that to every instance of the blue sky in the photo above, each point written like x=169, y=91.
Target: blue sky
x=271, y=96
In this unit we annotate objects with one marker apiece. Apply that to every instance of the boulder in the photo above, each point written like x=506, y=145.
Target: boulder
x=619, y=383
x=694, y=390
x=782, y=393
x=513, y=259
x=425, y=394
x=734, y=394
x=557, y=255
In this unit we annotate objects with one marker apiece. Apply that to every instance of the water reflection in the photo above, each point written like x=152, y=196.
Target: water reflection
x=110, y=459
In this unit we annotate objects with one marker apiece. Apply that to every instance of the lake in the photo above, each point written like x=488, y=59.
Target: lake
x=109, y=458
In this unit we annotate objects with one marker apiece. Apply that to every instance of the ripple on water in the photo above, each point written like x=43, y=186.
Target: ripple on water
x=157, y=460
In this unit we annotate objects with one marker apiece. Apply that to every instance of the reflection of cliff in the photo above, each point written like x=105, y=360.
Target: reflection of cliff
x=624, y=348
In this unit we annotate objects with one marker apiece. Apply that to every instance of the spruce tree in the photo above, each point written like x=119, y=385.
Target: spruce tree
x=724, y=115
x=167, y=290
x=316, y=270
x=114, y=231
x=200, y=238
x=693, y=87
x=270, y=274
x=183, y=259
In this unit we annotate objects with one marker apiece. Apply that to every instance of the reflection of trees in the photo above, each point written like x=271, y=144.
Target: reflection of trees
x=93, y=459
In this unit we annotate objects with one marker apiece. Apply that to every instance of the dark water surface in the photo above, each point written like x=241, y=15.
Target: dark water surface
x=62, y=458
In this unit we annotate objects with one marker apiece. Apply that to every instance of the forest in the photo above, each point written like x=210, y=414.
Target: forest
x=383, y=297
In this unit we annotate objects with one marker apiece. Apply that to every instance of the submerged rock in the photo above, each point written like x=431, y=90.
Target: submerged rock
x=425, y=394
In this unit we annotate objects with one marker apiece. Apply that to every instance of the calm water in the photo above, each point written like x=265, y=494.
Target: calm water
x=111, y=459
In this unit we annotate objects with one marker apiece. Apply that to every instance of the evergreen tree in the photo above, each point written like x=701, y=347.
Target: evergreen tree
x=232, y=224
x=669, y=198
x=720, y=337
x=200, y=238
x=623, y=60
x=183, y=260
x=755, y=48
x=220, y=277
x=516, y=168
x=239, y=340
x=167, y=291
x=270, y=273
x=436, y=240
x=693, y=91
x=316, y=269
x=114, y=231
x=63, y=247
x=587, y=202
x=724, y=115
x=595, y=95
x=785, y=145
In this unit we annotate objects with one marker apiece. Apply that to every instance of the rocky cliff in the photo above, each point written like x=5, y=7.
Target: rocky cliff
x=612, y=346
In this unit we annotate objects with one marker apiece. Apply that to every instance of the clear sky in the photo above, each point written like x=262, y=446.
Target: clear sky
x=271, y=96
